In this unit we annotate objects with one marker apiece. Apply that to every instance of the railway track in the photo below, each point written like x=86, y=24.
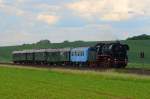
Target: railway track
x=139, y=71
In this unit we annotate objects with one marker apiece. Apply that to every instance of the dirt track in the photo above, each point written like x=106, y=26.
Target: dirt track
x=138, y=71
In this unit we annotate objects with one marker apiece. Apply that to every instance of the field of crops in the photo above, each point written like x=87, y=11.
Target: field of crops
x=36, y=83
x=136, y=46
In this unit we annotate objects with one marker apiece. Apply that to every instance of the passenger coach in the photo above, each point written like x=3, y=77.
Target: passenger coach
x=42, y=56
x=83, y=55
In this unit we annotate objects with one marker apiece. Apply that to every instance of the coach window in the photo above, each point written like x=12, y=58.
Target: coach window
x=72, y=53
x=78, y=53
x=81, y=53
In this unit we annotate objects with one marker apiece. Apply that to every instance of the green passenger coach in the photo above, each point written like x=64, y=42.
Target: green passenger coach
x=19, y=56
x=58, y=56
x=40, y=56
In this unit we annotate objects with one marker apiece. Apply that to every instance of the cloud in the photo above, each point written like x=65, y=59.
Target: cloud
x=10, y=9
x=1, y=1
x=49, y=19
x=46, y=7
x=91, y=32
x=28, y=11
x=21, y=1
x=111, y=10
x=24, y=20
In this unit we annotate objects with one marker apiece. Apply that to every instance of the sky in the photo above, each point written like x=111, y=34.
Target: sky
x=29, y=21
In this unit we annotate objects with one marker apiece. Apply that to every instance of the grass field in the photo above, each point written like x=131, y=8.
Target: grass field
x=36, y=83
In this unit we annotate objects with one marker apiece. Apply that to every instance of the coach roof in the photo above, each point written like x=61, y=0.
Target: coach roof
x=41, y=50
x=58, y=50
x=80, y=48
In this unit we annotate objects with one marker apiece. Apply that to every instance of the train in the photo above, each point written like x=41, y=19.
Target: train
x=107, y=55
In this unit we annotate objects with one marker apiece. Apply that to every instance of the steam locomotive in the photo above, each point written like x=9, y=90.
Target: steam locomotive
x=108, y=55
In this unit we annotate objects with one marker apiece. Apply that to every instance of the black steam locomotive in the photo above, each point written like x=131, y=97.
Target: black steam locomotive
x=112, y=54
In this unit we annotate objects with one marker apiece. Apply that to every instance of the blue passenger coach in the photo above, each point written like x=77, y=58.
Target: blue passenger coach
x=83, y=55
x=79, y=54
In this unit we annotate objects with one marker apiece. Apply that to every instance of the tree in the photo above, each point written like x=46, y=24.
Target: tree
x=140, y=37
x=44, y=42
x=66, y=41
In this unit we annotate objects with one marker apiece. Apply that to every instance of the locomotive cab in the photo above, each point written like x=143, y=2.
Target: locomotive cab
x=120, y=55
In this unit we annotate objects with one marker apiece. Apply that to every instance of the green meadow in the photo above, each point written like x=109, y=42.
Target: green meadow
x=41, y=83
